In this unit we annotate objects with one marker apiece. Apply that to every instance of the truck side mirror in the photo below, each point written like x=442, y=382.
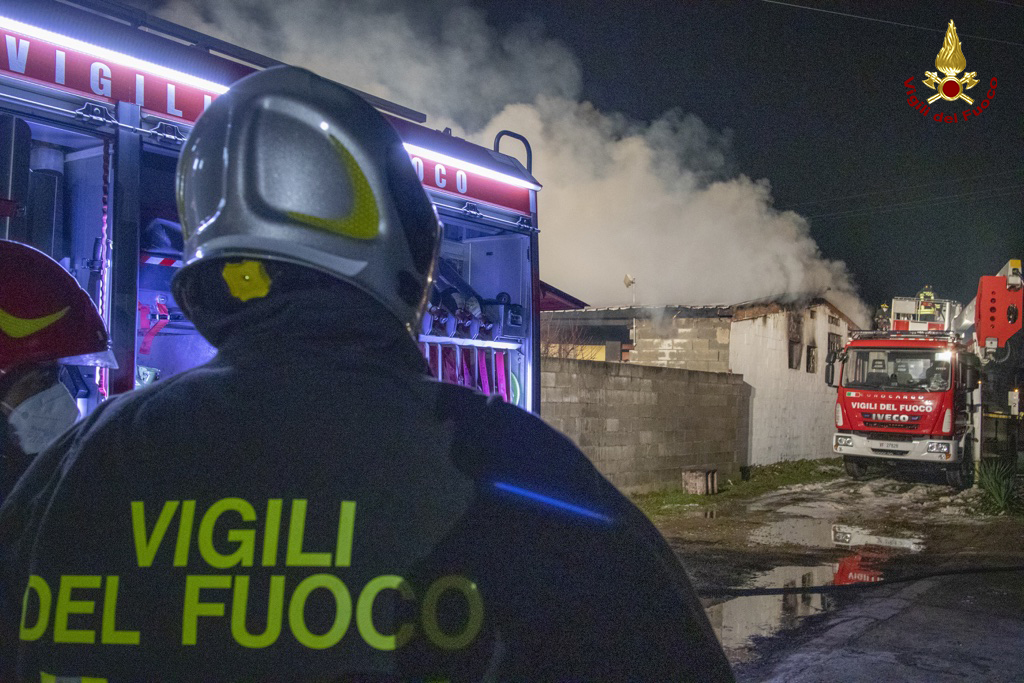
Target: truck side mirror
x=830, y=357
x=830, y=373
x=971, y=377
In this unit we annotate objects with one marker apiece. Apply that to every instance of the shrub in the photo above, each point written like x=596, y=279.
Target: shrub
x=998, y=482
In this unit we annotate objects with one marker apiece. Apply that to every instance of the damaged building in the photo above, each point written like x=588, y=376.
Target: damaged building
x=778, y=348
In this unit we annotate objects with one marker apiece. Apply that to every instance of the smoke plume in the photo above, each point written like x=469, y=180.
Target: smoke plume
x=655, y=199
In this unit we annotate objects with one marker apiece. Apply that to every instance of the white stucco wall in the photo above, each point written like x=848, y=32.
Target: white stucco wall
x=793, y=411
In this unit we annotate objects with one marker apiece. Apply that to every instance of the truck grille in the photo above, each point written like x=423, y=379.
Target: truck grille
x=886, y=436
x=883, y=451
x=891, y=425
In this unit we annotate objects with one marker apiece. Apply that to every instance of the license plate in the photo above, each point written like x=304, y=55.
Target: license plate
x=887, y=445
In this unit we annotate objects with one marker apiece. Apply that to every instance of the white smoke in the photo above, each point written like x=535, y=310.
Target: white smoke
x=649, y=199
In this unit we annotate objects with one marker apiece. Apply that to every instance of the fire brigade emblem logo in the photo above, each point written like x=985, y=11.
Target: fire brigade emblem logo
x=950, y=61
x=947, y=85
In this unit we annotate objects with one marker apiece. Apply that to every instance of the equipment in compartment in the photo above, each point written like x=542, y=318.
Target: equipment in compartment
x=15, y=146
x=488, y=369
x=167, y=342
x=469, y=315
x=476, y=329
x=144, y=376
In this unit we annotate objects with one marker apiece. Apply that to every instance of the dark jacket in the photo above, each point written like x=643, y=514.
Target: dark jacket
x=311, y=506
x=12, y=461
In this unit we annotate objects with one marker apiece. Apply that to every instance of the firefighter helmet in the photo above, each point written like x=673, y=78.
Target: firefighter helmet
x=288, y=166
x=44, y=314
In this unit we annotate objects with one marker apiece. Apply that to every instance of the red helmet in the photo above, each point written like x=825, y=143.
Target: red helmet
x=44, y=314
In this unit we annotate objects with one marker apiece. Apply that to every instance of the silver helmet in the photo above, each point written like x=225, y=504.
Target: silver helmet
x=292, y=167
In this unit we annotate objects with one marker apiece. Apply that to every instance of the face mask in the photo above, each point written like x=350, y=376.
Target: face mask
x=41, y=418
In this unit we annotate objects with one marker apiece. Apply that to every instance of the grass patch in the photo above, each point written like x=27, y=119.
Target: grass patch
x=757, y=479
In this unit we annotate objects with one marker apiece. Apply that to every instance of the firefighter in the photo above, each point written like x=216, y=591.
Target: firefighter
x=926, y=303
x=44, y=317
x=310, y=504
x=882, y=317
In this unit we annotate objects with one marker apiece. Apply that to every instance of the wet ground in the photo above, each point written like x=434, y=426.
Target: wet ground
x=843, y=532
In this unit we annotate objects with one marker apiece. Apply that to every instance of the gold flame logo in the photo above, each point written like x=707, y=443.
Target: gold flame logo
x=950, y=61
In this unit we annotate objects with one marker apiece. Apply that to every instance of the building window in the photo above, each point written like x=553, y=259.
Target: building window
x=812, y=314
x=833, y=320
x=835, y=342
x=794, y=355
x=812, y=358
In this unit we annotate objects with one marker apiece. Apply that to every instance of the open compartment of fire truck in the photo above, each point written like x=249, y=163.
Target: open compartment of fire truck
x=476, y=330
x=89, y=141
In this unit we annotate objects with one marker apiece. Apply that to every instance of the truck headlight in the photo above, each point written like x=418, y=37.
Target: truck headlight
x=843, y=440
x=938, y=447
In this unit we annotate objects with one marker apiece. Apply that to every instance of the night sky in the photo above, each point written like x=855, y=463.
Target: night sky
x=809, y=99
x=817, y=105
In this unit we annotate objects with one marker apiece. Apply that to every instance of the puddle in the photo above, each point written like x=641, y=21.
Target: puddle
x=822, y=533
x=852, y=536
x=691, y=510
x=804, y=531
x=861, y=567
x=739, y=622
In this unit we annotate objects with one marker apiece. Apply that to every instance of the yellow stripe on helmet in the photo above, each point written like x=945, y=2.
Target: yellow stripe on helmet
x=18, y=328
x=363, y=222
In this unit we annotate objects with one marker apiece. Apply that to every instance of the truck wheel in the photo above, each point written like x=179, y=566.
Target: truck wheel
x=961, y=475
x=855, y=468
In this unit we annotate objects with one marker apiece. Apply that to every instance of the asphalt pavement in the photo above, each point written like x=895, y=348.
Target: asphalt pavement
x=938, y=630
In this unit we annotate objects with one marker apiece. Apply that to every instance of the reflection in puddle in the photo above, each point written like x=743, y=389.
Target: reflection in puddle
x=853, y=536
x=862, y=567
x=805, y=531
x=738, y=621
x=822, y=533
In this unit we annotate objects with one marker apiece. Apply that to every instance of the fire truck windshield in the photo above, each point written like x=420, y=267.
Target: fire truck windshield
x=899, y=369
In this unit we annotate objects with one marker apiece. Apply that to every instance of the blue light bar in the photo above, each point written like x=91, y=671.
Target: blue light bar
x=554, y=502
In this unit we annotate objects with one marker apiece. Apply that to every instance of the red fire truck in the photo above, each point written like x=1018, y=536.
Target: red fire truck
x=95, y=102
x=931, y=389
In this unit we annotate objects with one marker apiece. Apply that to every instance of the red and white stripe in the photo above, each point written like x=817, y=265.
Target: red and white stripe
x=146, y=259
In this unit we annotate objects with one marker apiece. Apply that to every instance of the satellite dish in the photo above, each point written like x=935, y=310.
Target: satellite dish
x=629, y=280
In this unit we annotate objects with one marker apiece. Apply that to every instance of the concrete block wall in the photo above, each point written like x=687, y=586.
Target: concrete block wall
x=642, y=425
x=690, y=343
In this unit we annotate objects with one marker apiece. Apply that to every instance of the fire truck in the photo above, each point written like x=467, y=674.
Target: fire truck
x=96, y=100
x=940, y=386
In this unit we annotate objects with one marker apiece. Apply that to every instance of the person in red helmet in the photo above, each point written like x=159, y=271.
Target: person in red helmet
x=45, y=318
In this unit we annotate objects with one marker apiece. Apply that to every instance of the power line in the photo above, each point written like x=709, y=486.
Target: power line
x=893, y=209
x=940, y=197
x=930, y=202
x=886, y=21
x=1004, y=2
x=900, y=189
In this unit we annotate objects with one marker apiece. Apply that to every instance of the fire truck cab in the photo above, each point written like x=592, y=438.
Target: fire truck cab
x=96, y=100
